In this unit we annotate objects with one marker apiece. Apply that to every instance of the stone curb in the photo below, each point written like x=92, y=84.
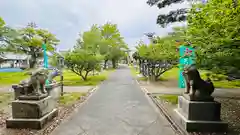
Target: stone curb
x=174, y=125
x=163, y=111
x=78, y=105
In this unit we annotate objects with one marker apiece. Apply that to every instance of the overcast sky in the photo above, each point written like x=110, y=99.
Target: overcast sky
x=66, y=18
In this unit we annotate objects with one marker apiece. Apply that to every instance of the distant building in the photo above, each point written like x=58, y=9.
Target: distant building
x=11, y=60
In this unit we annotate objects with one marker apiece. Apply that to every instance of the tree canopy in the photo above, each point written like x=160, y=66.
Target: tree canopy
x=155, y=59
x=93, y=46
x=213, y=28
x=113, y=46
x=177, y=15
x=29, y=40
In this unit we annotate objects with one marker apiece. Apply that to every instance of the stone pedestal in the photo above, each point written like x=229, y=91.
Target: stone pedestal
x=32, y=113
x=195, y=116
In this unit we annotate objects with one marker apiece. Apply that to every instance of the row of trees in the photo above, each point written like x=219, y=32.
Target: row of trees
x=156, y=58
x=212, y=28
x=99, y=44
x=27, y=40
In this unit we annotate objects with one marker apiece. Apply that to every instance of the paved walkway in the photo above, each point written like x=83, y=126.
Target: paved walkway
x=118, y=107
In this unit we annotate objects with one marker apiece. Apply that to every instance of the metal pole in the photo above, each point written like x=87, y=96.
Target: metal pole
x=60, y=66
x=61, y=83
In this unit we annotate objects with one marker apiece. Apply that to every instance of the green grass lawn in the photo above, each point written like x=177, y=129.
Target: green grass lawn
x=7, y=79
x=69, y=98
x=173, y=99
x=134, y=72
x=173, y=74
x=70, y=78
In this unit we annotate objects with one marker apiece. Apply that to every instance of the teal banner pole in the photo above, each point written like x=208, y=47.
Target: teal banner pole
x=45, y=57
x=188, y=60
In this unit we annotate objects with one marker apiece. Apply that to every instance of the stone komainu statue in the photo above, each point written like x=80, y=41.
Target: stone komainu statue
x=197, y=88
x=35, y=85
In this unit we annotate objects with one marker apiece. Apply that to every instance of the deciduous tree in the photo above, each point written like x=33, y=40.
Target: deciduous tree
x=214, y=29
x=29, y=41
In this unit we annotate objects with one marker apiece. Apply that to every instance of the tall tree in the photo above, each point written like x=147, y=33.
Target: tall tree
x=214, y=30
x=82, y=62
x=173, y=16
x=7, y=35
x=85, y=57
x=91, y=39
x=113, y=46
x=30, y=40
x=156, y=58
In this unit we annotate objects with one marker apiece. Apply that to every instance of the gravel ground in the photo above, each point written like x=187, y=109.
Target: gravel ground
x=64, y=112
x=230, y=112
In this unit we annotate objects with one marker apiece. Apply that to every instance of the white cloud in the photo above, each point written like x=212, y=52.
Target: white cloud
x=67, y=18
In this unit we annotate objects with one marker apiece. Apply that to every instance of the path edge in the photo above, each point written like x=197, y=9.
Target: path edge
x=90, y=93
x=163, y=111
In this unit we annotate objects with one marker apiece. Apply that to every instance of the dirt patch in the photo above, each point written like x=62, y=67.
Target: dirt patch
x=64, y=110
x=230, y=112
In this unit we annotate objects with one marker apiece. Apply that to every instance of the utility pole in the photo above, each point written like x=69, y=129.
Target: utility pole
x=60, y=66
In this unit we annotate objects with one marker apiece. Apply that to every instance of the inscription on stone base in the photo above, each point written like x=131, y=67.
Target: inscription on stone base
x=200, y=126
x=31, y=123
x=31, y=108
x=194, y=110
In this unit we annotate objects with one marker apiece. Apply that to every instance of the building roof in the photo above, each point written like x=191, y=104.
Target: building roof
x=12, y=56
x=15, y=56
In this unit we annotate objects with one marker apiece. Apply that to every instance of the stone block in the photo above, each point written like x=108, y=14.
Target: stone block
x=196, y=116
x=32, y=109
x=195, y=110
x=18, y=91
x=200, y=126
x=31, y=123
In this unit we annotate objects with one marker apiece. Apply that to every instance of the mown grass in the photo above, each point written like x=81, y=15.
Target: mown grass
x=173, y=99
x=134, y=73
x=133, y=70
x=70, y=78
x=222, y=83
x=219, y=80
x=69, y=98
x=9, y=78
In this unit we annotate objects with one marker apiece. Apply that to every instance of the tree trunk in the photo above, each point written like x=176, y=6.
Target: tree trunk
x=140, y=66
x=114, y=63
x=84, y=77
x=105, y=64
x=32, y=61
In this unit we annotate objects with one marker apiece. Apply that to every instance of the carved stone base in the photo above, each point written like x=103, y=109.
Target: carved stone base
x=199, y=116
x=31, y=123
x=200, y=126
x=31, y=108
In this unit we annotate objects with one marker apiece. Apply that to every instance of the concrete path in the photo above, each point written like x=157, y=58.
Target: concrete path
x=118, y=107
